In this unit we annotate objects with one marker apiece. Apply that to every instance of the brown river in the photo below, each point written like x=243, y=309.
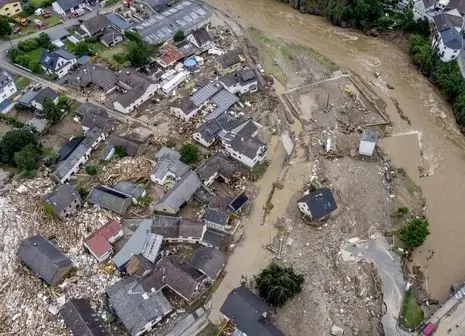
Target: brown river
x=432, y=130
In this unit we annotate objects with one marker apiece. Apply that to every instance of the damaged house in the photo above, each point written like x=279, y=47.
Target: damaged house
x=201, y=39
x=130, y=146
x=81, y=319
x=210, y=261
x=216, y=166
x=240, y=82
x=64, y=201
x=178, y=230
x=109, y=198
x=99, y=242
x=229, y=62
x=168, y=166
x=317, y=205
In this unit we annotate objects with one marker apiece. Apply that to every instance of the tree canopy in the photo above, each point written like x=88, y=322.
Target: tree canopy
x=278, y=284
x=189, y=153
x=13, y=141
x=179, y=36
x=26, y=159
x=51, y=111
x=414, y=233
x=138, y=53
x=5, y=28
x=81, y=49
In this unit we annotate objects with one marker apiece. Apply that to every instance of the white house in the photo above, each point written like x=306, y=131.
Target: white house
x=57, y=62
x=201, y=39
x=240, y=82
x=7, y=85
x=448, y=39
x=184, y=108
x=67, y=7
x=38, y=100
x=368, y=142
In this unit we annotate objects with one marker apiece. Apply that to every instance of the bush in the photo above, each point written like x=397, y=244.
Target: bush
x=35, y=67
x=81, y=49
x=27, y=158
x=120, y=151
x=414, y=233
x=120, y=58
x=83, y=192
x=28, y=45
x=13, y=53
x=43, y=40
x=50, y=157
x=91, y=170
x=11, y=121
x=29, y=9
x=13, y=141
x=23, y=60
x=402, y=211
x=189, y=153
x=51, y=112
x=179, y=36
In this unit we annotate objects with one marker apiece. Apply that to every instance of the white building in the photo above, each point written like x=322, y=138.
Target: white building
x=57, y=62
x=67, y=7
x=240, y=82
x=7, y=85
x=368, y=142
x=448, y=39
x=168, y=87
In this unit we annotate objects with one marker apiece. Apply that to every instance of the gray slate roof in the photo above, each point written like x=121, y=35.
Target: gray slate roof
x=86, y=108
x=201, y=36
x=131, y=145
x=182, y=191
x=169, y=164
x=42, y=257
x=109, y=198
x=445, y=20
x=134, y=306
x=45, y=93
x=209, y=261
x=61, y=197
x=223, y=101
x=129, y=188
x=96, y=24
x=458, y=4
x=216, y=163
x=98, y=119
x=49, y=59
x=243, y=77
x=135, y=83
x=452, y=38
x=213, y=238
x=229, y=58
x=110, y=34
x=246, y=310
x=216, y=216
x=81, y=319
x=185, y=104
x=320, y=202
x=91, y=74
x=167, y=151
x=205, y=93
x=166, y=226
x=66, y=5
x=190, y=228
x=117, y=21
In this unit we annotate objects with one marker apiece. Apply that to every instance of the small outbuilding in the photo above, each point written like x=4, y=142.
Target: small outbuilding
x=368, y=142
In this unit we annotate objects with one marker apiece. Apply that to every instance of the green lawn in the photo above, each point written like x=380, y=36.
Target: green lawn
x=35, y=54
x=31, y=28
x=109, y=52
x=21, y=82
x=111, y=2
x=412, y=314
x=210, y=330
x=39, y=3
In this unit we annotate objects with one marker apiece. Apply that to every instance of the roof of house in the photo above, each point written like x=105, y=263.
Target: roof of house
x=208, y=260
x=138, y=265
x=136, y=307
x=166, y=226
x=57, y=34
x=213, y=238
x=429, y=3
x=243, y=77
x=246, y=146
x=247, y=311
x=182, y=278
x=66, y=5
x=447, y=20
x=5, y=78
x=182, y=191
x=129, y=188
x=169, y=164
x=205, y=93
x=81, y=319
x=96, y=24
x=452, y=38
x=216, y=163
x=458, y=4
x=68, y=148
x=186, y=48
x=167, y=151
x=109, y=198
x=204, y=195
x=220, y=202
x=98, y=119
x=86, y=108
x=169, y=54
x=26, y=98
x=130, y=145
x=223, y=101
x=320, y=202
x=238, y=202
x=216, y=216
x=229, y=58
x=45, y=93
x=110, y=34
x=185, y=104
x=42, y=257
x=92, y=74
x=98, y=241
x=118, y=21
x=135, y=83
x=61, y=197
x=191, y=228
x=369, y=135
x=201, y=36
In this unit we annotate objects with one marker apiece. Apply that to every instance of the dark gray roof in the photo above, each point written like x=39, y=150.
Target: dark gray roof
x=96, y=24
x=446, y=20
x=458, y=4
x=213, y=238
x=68, y=148
x=61, y=197
x=66, y=5
x=135, y=83
x=110, y=34
x=45, y=93
x=229, y=58
x=246, y=146
x=201, y=36
x=129, y=188
x=166, y=226
x=138, y=265
x=209, y=261
x=91, y=74
x=244, y=77
x=136, y=307
x=118, y=21
x=167, y=151
x=130, y=145
x=57, y=34
x=209, y=129
x=223, y=101
x=429, y=3
x=42, y=257
x=216, y=216
x=86, y=108
x=98, y=119
x=169, y=164
x=186, y=48
x=247, y=311
x=452, y=38
x=185, y=104
x=320, y=202
x=27, y=98
x=182, y=191
x=216, y=163
x=238, y=202
x=190, y=228
x=81, y=319
x=110, y=199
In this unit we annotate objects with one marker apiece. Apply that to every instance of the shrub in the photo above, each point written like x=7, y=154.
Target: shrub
x=189, y=153
x=26, y=158
x=402, y=211
x=414, y=233
x=120, y=151
x=120, y=58
x=83, y=192
x=91, y=170
x=28, y=45
x=48, y=209
x=179, y=36
x=13, y=141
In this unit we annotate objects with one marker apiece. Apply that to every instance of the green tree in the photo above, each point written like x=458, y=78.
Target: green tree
x=81, y=49
x=43, y=40
x=23, y=60
x=83, y=192
x=422, y=53
x=26, y=159
x=278, y=284
x=35, y=67
x=120, y=151
x=29, y=9
x=414, y=233
x=13, y=53
x=13, y=141
x=51, y=111
x=447, y=76
x=138, y=53
x=48, y=209
x=91, y=170
x=50, y=157
x=133, y=36
x=28, y=45
x=121, y=58
x=179, y=36
x=5, y=28
x=189, y=153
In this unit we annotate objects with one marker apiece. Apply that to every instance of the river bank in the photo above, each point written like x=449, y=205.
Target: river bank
x=440, y=144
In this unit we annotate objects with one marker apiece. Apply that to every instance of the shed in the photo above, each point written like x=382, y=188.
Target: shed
x=368, y=142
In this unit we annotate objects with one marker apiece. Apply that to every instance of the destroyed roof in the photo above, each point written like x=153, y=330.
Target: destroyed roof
x=369, y=136
x=81, y=319
x=320, y=202
x=185, y=104
x=129, y=188
x=217, y=216
x=86, y=108
x=45, y=93
x=186, y=48
x=142, y=241
x=92, y=74
x=66, y=5
x=42, y=257
x=49, y=59
x=169, y=54
x=109, y=198
x=244, y=77
x=118, y=21
x=130, y=145
x=213, y=238
x=452, y=38
x=96, y=24
x=205, y=93
x=167, y=151
x=201, y=36
x=209, y=261
x=248, y=312
x=99, y=241
x=223, y=101
x=229, y=58
x=182, y=191
x=181, y=278
x=191, y=228
x=135, y=83
x=220, y=202
x=138, y=265
x=216, y=163
x=446, y=20
x=98, y=119
x=62, y=197
x=203, y=195
x=136, y=307
x=238, y=202
x=110, y=34
x=169, y=164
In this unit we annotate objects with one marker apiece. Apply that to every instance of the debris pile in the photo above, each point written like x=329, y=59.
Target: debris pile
x=127, y=169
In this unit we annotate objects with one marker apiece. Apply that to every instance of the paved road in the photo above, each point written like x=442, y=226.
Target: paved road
x=377, y=250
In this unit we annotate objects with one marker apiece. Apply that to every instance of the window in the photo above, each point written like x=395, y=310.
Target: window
x=7, y=9
x=16, y=5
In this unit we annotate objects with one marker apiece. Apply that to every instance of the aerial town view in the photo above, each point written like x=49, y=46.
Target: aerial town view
x=232, y=167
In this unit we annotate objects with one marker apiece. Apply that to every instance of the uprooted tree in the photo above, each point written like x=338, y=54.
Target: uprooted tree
x=414, y=233
x=278, y=284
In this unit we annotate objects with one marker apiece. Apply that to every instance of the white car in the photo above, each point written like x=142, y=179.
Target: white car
x=260, y=68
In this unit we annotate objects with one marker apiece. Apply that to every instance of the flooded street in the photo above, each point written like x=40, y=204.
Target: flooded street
x=441, y=144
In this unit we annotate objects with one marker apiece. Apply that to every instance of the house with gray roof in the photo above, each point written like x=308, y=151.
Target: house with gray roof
x=179, y=194
x=142, y=241
x=184, y=108
x=99, y=119
x=317, y=205
x=67, y=7
x=448, y=39
x=139, y=310
x=240, y=82
x=217, y=219
x=92, y=76
x=81, y=319
x=168, y=167
x=249, y=313
x=130, y=145
x=58, y=62
x=201, y=39
x=44, y=259
x=111, y=37
x=135, y=191
x=109, y=198
x=95, y=26
x=118, y=22
x=78, y=155
x=139, y=266
x=86, y=108
x=208, y=260
x=38, y=100
x=228, y=62
x=213, y=238
x=216, y=166
x=64, y=201
x=7, y=85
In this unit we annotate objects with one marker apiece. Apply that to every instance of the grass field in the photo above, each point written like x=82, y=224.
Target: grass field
x=31, y=28
x=39, y=3
x=109, y=52
x=412, y=314
x=35, y=54
x=21, y=82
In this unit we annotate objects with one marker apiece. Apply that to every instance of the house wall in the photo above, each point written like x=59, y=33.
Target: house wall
x=232, y=68
x=244, y=159
x=139, y=101
x=445, y=54
x=39, y=106
x=115, y=237
x=216, y=226
x=70, y=209
x=7, y=91
x=180, y=114
x=303, y=207
x=60, y=275
x=149, y=326
x=11, y=9
x=162, y=207
x=198, y=137
x=210, y=180
x=164, y=179
x=117, y=39
x=65, y=69
x=242, y=89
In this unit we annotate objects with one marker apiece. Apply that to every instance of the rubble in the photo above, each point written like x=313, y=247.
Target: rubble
x=126, y=169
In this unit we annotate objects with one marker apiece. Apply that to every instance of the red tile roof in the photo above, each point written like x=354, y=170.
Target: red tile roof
x=98, y=241
x=110, y=229
x=170, y=54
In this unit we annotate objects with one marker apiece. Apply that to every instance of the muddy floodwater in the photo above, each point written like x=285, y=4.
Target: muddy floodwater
x=432, y=139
